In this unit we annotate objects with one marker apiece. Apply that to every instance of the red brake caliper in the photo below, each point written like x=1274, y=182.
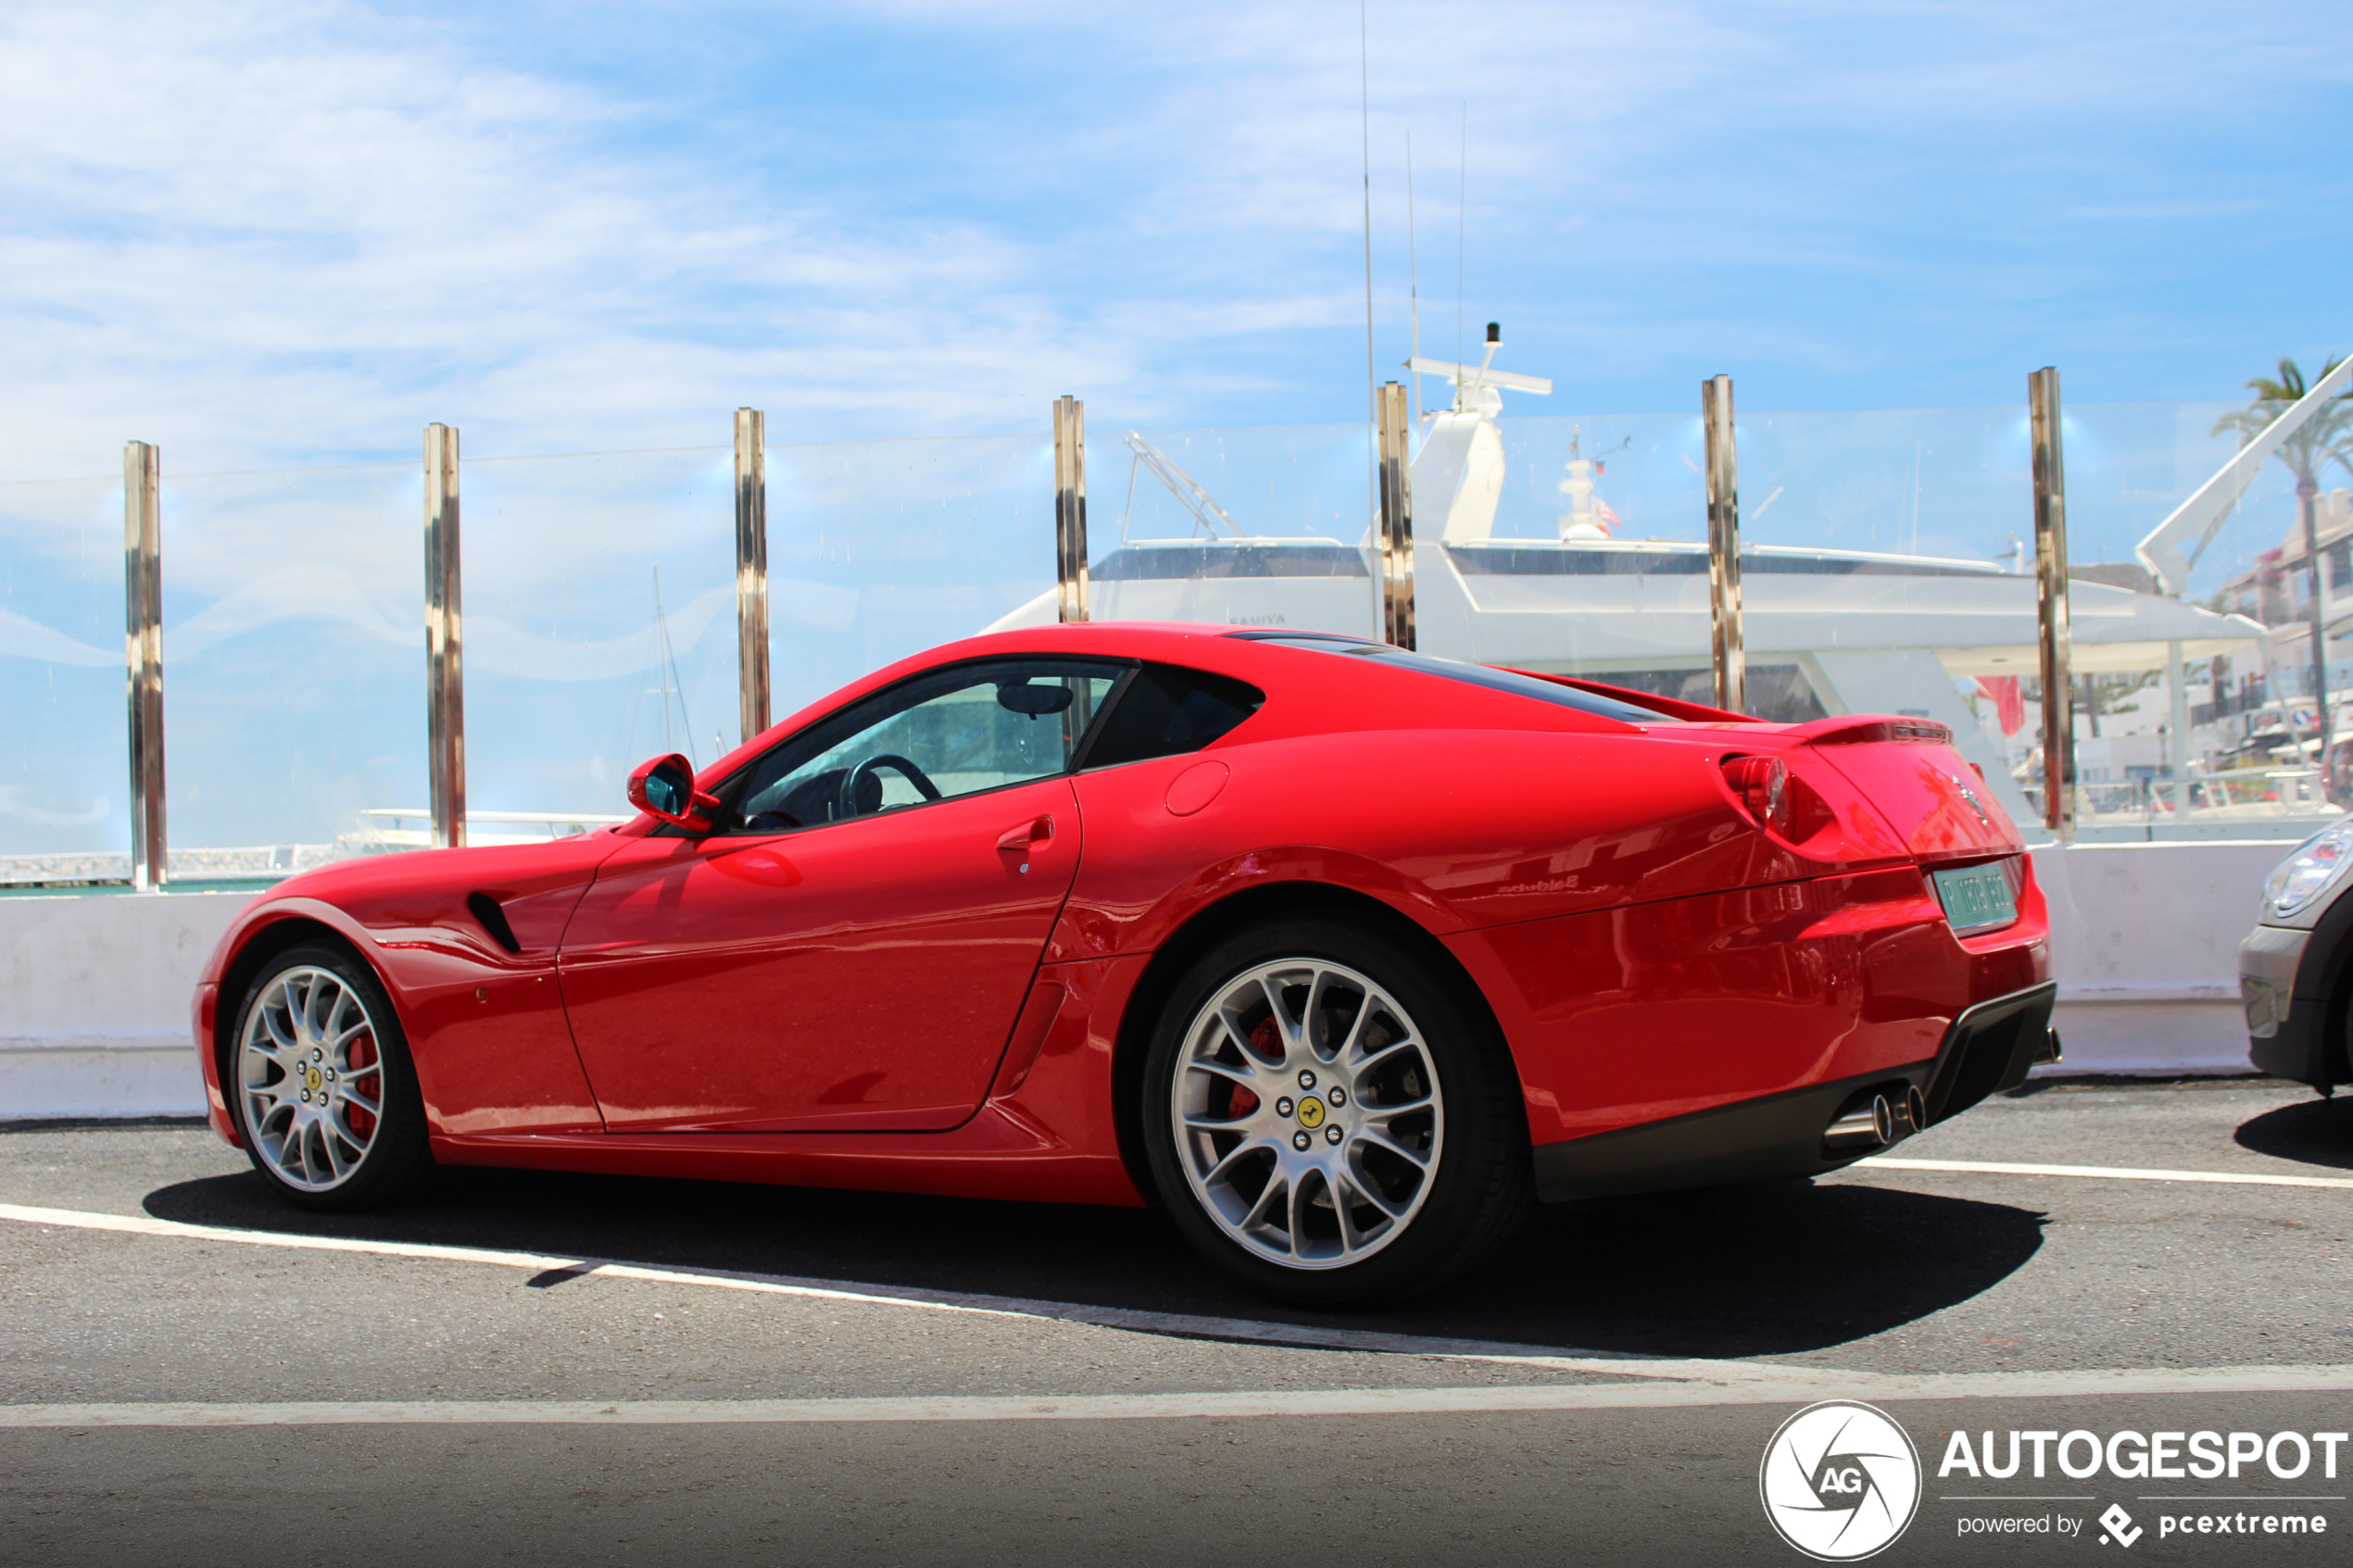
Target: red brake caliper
x=1264, y=1041
x=363, y=1054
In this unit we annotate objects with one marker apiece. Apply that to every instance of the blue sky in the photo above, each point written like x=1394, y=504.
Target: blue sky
x=293, y=233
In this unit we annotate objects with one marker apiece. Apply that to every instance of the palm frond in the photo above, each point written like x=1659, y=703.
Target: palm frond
x=2325, y=437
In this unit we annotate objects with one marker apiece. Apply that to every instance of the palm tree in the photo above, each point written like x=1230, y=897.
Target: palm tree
x=2327, y=436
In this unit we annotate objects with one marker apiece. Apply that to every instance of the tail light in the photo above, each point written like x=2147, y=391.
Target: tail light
x=1761, y=783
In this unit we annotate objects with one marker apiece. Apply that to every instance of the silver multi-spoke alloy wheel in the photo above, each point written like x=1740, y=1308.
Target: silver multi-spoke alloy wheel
x=1307, y=1113
x=311, y=1077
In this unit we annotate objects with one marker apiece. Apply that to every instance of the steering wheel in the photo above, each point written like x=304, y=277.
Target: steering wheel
x=855, y=780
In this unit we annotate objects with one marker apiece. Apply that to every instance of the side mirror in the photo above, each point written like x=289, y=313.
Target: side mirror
x=665, y=788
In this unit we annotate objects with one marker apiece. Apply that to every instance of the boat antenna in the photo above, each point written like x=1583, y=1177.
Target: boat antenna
x=1462, y=223
x=1413, y=276
x=1364, y=106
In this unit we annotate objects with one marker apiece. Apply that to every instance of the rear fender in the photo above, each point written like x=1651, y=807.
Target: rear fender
x=1089, y=931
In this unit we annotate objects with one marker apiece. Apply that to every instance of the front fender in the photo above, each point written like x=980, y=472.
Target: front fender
x=485, y=1022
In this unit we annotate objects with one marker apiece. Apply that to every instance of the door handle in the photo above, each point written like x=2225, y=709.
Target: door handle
x=1022, y=837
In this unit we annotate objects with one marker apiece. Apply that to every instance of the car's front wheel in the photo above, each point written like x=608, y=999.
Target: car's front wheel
x=1330, y=1118
x=325, y=1095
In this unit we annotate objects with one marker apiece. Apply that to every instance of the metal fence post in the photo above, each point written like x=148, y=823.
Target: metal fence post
x=2179, y=754
x=143, y=653
x=2050, y=605
x=751, y=568
x=1070, y=508
x=1727, y=641
x=1396, y=518
x=2307, y=491
x=445, y=643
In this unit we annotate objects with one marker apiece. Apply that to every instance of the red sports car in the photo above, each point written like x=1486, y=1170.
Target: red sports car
x=1339, y=954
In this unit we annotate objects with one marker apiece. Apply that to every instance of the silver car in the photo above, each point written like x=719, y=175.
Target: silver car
x=2295, y=969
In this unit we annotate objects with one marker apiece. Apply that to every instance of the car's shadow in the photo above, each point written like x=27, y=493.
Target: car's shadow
x=1731, y=1271
x=2318, y=1131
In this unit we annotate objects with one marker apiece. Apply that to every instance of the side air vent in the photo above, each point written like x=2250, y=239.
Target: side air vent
x=493, y=919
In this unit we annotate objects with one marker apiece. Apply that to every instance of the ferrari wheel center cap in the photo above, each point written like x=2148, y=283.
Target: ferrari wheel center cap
x=1311, y=1113
x=312, y=1080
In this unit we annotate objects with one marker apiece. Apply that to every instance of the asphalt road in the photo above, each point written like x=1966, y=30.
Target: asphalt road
x=971, y=1382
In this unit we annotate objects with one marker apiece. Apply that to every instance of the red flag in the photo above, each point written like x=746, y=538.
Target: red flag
x=2009, y=703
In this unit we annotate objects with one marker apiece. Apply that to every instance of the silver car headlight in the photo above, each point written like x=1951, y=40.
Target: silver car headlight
x=2304, y=875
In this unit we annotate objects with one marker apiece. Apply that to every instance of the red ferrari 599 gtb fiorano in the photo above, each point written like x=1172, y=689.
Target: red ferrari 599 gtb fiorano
x=1339, y=954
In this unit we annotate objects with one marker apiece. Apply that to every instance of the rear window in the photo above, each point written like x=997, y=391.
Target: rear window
x=1164, y=711
x=1470, y=675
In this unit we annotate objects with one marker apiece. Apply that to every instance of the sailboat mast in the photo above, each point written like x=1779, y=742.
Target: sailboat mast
x=668, y=655
x=1462, y=229
x=1413, y=276
x=1372, y=387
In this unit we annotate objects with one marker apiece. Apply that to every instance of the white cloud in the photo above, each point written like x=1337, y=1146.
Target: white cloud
x=251, y=234
x=272, y=234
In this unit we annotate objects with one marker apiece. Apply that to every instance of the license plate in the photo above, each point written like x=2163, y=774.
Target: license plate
x=1977, y=897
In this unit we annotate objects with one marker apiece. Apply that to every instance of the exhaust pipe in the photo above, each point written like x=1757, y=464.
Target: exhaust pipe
x=1870, y=1123
x=1877, y=1118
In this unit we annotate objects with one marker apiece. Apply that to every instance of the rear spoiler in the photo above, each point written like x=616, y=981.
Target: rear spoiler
x=1861, y=729
x=1672, y=708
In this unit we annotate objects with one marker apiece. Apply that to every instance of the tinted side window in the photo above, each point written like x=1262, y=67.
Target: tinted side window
x=952, y=732
x=1164, y=711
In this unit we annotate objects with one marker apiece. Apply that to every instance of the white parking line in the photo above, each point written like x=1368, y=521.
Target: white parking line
x=2113, y=1173
x=1789, y=1385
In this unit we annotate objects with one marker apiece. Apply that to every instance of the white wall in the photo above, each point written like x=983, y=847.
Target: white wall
x=2145, y=942
x=93, y=1002
x=95, y=988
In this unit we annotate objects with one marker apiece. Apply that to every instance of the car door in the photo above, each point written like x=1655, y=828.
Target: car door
x=850, y=945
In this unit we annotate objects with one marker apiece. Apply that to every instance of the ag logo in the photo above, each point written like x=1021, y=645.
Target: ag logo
x=1840, y=1481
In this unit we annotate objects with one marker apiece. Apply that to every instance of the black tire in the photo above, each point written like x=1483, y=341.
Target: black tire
x=1457, y=1209
x=314, y=1157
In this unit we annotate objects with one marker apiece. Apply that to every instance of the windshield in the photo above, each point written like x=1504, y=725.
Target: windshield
x=1469, y=674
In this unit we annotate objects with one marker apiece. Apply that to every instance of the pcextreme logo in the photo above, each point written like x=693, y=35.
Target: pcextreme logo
x=1840, y=1481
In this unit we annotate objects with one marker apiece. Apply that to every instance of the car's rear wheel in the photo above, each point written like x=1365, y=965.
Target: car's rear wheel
x=325, y=1095
x=1331, y=1118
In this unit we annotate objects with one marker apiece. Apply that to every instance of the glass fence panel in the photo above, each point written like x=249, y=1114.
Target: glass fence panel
x=1887, y=567
x=1263, y=527
x=2216, y=732
x=1880, y=564
x=599, y=631
x=1573, y=544
x=879, y=549
x=64, y=797
x=1881, y=567
x=293, y=666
